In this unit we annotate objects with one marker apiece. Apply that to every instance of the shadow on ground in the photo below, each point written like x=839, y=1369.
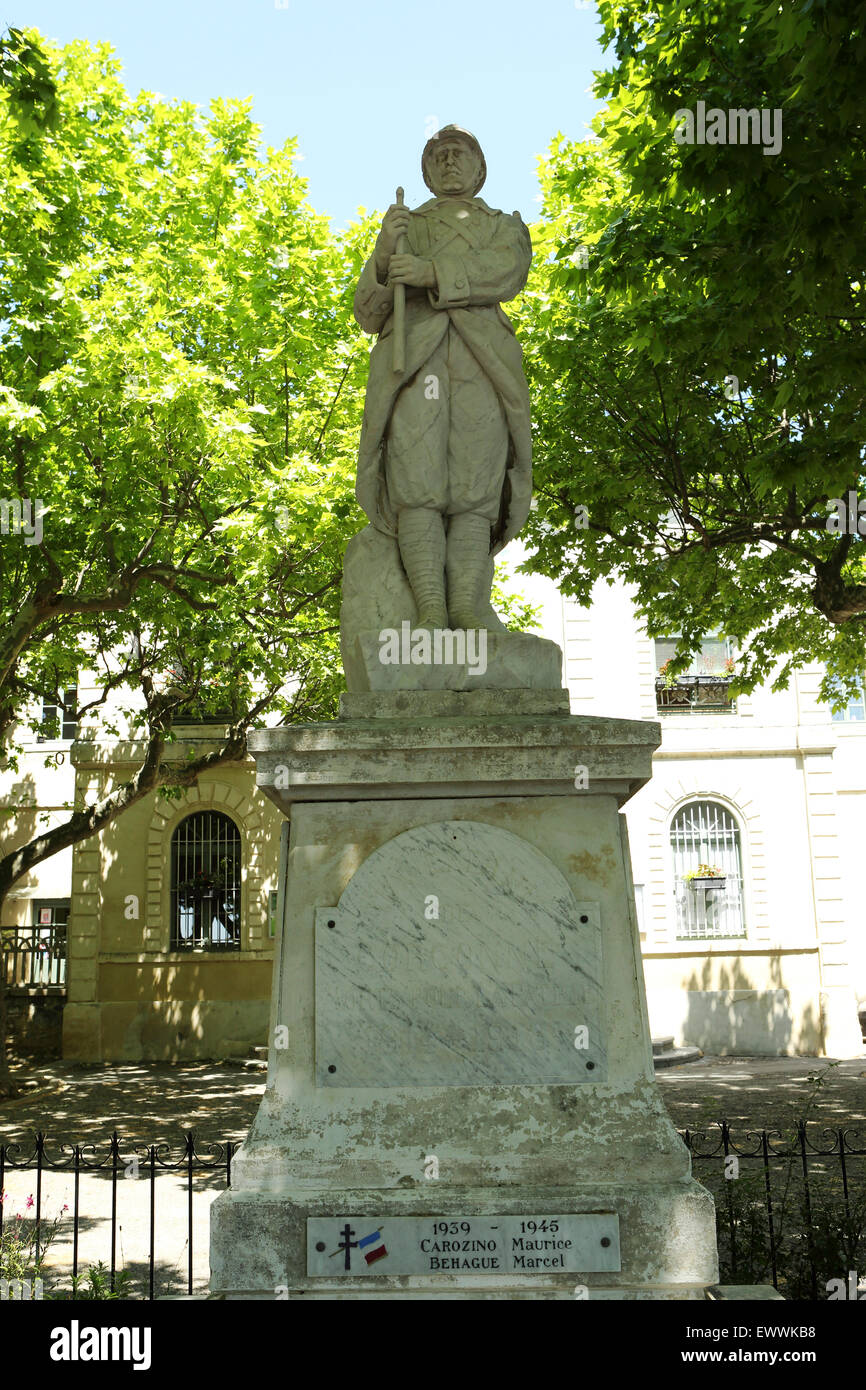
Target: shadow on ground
x=144, y=1101
x=765, y=1092
x=154, y=1101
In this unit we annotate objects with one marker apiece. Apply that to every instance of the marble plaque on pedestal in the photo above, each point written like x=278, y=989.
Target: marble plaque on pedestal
x=458, y=955
x=340, y=1246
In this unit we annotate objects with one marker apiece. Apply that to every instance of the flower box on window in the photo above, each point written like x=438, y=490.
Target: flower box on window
x=706, y=876
x=202, y=885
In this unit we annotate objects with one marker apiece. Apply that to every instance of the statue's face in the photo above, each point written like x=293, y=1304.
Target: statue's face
x=453, y=169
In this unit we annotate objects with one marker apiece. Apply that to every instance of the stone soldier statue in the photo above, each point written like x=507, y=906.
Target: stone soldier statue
x=445, y=456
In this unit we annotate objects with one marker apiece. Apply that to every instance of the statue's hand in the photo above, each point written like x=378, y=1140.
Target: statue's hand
x=395, y=224
x=411, y=270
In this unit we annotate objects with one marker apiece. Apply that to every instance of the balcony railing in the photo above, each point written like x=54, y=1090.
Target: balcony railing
x=34, y=958
x=688, y=694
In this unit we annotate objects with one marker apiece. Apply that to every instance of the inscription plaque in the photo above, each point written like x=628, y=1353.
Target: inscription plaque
x=348, y=1246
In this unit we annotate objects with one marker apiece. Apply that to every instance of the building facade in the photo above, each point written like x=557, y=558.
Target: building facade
x=154, y=936
x=765, y=950
x=746, y=849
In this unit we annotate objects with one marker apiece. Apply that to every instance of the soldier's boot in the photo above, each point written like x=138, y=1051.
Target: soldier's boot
x=466, y=563
x=421, y=537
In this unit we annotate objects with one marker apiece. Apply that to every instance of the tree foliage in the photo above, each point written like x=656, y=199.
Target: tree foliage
x=699, y=383
x=181, y=384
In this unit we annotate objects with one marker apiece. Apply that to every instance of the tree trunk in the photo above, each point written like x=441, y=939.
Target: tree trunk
x=7, y=1087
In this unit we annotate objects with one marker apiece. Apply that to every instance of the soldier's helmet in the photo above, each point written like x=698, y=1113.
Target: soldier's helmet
x=454, y=132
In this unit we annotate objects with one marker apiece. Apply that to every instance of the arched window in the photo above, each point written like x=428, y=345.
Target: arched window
x=708, y=873
x=206, y=883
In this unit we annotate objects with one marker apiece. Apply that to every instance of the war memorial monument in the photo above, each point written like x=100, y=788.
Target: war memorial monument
x=461, y=1101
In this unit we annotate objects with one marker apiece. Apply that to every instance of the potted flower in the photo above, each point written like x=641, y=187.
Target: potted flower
x=202, y=883
x=706, y=876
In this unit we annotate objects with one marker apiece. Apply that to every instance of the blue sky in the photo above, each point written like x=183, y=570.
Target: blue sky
x=361, y=84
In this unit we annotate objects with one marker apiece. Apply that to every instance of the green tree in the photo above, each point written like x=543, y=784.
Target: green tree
x=181, y=382
x=695, y=335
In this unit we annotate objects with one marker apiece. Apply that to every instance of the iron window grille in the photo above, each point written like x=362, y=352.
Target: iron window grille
x=706, y=833
x=206, y=883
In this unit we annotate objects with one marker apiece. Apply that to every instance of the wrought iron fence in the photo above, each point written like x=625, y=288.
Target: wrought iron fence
x=707, y=694
x=790, y=1208
x=34, y=956
x=142, y=1162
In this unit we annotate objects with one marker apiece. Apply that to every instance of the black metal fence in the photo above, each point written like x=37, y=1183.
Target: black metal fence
x=790, y=1207
x=34, y=956
x=709, y=694
x=142, y=1162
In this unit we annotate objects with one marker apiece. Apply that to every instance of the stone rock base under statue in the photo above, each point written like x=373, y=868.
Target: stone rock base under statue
x=378, y=599
x=460, y=1098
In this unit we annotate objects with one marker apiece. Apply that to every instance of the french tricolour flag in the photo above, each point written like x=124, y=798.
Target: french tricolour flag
x=373, y=1247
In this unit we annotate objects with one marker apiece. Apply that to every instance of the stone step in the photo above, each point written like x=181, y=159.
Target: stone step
x=662, y=1045
x=257, y=1059
x=676, y=1057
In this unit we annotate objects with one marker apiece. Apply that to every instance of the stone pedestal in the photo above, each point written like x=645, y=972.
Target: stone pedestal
x=460, y=1081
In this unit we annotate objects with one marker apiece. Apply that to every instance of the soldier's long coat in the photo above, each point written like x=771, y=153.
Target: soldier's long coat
x=481, y=257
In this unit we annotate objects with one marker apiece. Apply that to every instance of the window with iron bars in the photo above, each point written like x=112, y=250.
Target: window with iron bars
x=707, y=871
x=206, y=883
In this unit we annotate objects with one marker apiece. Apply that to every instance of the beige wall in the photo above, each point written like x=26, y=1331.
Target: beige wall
x=35, y=797
x=38, y=795
x=725, y=1001
x=130, y=996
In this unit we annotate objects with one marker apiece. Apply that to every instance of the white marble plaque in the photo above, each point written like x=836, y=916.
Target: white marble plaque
x=458, y=955
x=351, y=1245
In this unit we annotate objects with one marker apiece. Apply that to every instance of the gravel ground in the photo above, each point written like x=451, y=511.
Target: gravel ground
x=144, y=1101
x=766, y=1092
x=150, y=1102
x=159, y=1101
